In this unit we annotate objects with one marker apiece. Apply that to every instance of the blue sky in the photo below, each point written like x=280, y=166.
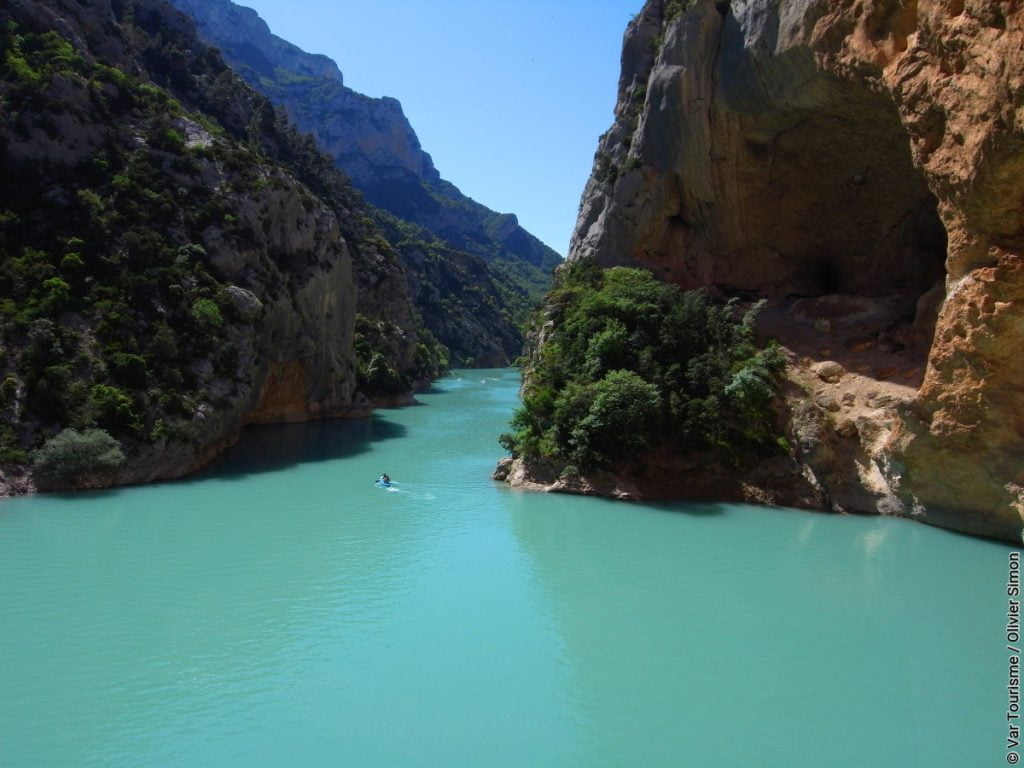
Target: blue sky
x=508, y=96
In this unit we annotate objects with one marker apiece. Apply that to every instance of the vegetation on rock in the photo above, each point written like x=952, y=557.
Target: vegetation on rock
x=460, y=301
x=629, y=366
x=451, y=245
x=71, y=453
x=154, y=213
x=91, y=284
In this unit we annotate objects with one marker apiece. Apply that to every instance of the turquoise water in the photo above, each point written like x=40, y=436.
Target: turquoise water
x=282, y=610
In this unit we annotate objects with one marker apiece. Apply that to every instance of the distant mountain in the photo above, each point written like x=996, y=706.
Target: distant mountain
x=372, y=141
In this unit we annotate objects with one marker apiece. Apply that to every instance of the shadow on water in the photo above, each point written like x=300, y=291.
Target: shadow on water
x=273, y=447
x=93, y=494
x=431, y=389
x=693, y=508
x=414, y=403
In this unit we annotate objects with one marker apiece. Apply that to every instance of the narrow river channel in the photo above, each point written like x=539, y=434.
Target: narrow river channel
x=280, y=609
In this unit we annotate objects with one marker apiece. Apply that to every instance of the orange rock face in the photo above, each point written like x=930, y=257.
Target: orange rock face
x=955, y=71
x=804, y=148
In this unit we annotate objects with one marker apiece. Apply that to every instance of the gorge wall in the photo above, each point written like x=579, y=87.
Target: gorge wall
x=176, y=260
x=859, y=164
x=372, y=141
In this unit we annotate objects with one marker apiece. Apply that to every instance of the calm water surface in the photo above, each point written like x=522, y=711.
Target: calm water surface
x=282, y=610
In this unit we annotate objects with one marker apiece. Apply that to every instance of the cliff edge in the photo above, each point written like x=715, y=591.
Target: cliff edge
x=176, y=261
x=857, y=164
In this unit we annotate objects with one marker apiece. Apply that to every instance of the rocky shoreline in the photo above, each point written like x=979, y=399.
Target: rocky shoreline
x=173, y=460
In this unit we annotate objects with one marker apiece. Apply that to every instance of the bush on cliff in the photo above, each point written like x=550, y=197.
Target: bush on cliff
x=633, y=365
x=71, y=453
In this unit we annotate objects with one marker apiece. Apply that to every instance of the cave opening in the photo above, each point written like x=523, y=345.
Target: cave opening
x=839, y=230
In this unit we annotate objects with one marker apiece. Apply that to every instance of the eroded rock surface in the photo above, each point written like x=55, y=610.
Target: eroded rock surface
x=804, y=148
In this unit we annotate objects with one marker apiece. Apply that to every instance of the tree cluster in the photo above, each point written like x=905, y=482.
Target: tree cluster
x=629, y=366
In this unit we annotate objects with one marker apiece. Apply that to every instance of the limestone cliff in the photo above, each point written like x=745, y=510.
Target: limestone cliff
x=176, y=261
x=859, y=163
x=371, y=140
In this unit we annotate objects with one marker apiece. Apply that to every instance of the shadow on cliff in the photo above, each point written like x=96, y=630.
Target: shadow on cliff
x=272, y=447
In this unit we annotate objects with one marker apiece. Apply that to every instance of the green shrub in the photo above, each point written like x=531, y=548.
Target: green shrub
x=128, y=368
x=112, y=407
x=169, y=140
x=44, y=345
x=431, y=355
x=633, y=365
x=675, y=7
x=163, y=344
x=207, y=314
x=19, y=69
x=72, y=262
x=381, y=377
x=10, y=453
x=56, y=395
x=71, y=453
x=621, y=416
x=57, y=293
x=8, y=390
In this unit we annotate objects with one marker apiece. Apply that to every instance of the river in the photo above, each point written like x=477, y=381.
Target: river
x=280, y=609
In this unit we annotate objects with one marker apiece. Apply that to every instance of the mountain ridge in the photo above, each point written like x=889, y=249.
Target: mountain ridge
x=370, y=138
